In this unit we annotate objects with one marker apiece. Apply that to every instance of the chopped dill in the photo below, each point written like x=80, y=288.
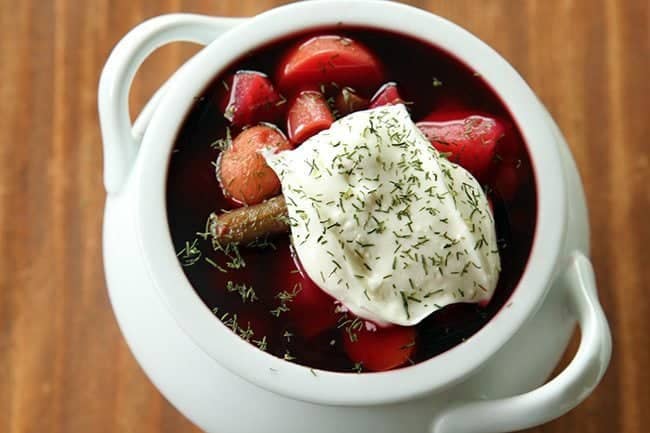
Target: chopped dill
x=190, y=254
x=222, y=143
x=246, y=292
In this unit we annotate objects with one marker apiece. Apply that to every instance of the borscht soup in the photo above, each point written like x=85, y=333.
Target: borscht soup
x=351, y=200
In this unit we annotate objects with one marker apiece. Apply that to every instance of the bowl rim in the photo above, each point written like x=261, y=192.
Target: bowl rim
x=294, y=380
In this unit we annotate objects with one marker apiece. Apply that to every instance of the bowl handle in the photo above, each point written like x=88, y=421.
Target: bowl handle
x=120, y=142
x=562, y=393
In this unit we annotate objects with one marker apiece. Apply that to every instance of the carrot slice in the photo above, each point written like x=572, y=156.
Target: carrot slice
x=308, y=114
x=242, y=171
x=329, y=59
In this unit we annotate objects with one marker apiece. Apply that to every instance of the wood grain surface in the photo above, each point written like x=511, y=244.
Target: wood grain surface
x=64, y=367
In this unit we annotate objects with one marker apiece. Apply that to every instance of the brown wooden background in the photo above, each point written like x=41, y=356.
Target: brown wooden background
x=63, y=364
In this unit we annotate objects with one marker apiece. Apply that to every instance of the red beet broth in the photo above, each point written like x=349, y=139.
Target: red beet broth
x=437, y=87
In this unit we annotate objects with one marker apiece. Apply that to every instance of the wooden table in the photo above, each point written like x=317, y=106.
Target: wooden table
x=64, y=367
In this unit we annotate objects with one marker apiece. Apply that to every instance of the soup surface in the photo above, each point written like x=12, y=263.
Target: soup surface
x=259, y=290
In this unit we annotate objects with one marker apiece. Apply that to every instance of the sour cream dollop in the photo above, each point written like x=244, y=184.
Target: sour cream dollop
x=383, y=222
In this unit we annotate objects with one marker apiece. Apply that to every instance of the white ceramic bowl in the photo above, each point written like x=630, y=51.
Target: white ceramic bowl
x=135, y=177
